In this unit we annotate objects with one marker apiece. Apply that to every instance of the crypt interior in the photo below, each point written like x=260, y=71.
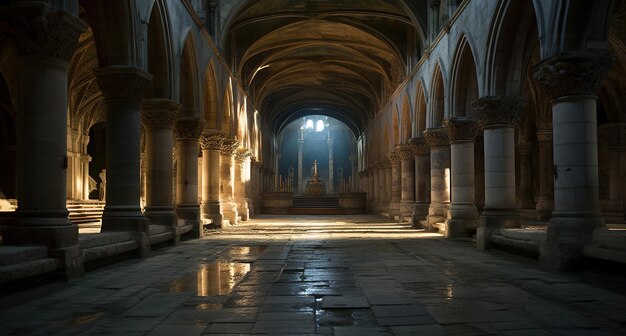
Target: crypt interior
x=342, y=167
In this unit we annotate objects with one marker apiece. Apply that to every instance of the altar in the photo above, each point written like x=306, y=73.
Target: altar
x=315, y=186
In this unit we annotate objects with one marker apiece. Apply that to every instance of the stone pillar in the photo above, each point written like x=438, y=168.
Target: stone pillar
x=407, y=180
x=545, y=203
x=525, y=194
x=395, y=181
x=421, y=150
x=374, y=200
x=383, y=197
x=227, y=178
x=44, y=40
x=462, y=215
x=437, y=139
x=187, y=131
x=211, y=145
x=241, y=197
x=157, y=117
x=331, y=168
x=572, y=80
x=300, y=177
x=498, y=116
x=387, y=185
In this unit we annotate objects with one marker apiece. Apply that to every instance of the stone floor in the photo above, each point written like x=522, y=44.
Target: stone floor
x=348, y=275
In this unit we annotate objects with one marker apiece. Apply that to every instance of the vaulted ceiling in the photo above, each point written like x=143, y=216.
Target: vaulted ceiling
x=342, y=58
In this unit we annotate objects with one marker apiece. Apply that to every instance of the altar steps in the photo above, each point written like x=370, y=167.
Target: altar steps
x=320, y=205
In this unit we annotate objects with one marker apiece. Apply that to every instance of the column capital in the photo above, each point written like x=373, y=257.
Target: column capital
x=574, y=73
x=394, y=159
x=544, y=135
x=37, y=29
x=524, y=147
x=405, y=152
x=420, y=146
x=499, y=111
x=188, y=128
x=123, y=83
x=229, y=146
x=461, y=129
x=159, y=113
x=436, y=137
x=242, y=154
x=212, y=141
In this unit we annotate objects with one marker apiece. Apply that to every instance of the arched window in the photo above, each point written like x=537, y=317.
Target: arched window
x=309, y=124
x=320, y=126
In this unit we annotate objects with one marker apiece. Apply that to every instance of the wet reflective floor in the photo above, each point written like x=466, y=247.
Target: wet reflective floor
x=344, y=275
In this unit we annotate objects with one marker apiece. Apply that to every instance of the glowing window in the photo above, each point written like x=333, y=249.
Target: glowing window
x=309, y=124
x=320, y=126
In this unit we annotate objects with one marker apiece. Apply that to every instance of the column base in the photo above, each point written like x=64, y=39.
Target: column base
x=243, y=210
x=544, y=209
x=462, y=218
x=419, y=218
x=437, y=213
x=492, y=220
x=229, y=212
x=567, y=236
x=52, y=236
x=406, y=210
x=190, y=215
x=211, y=214
x=394, y=210
x=128, y=219
x=42, y=218
x=72, y=259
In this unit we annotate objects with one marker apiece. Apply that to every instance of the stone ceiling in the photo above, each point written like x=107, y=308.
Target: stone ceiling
x=343, y=58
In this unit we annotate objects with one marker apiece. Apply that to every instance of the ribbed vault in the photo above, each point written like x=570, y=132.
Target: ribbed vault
x=341, y=58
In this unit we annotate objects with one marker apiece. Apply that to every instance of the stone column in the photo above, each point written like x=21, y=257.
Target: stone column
x=383, y=203
x=374, y=200
x=300, y=178
x=525, y=194
x=572, y=80
x=407, y=180
x=462, y=215
x=157, y=117
x=396, y=192
x=387, y=185
x=241, y=156
x=211, y=144
x=331, y=168
x=44, y=40
x=421, y=150
x=187, y=131
x=437, y=139
x=227, y=177
x=545, y=203
x=498, y=116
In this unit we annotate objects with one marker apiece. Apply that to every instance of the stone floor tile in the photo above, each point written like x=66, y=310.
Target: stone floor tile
x=344, y=302
x=169, y=330
x=284, y=327
x=229, y=328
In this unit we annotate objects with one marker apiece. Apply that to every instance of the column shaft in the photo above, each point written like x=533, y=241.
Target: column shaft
x=545, y=203
x=187, y=132
x=211, y=145
x=439, y=175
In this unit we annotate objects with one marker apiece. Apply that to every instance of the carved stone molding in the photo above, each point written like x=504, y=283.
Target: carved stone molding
x=242, y=154
x=394, y=159
x=499, y=111
x=420, y=146
x=229, y=146
x=524, y=148
x=384, y=164
x=36, y=29
x=188, y=129
x=405, y=152
x=124, y=84
x=212, y=142
x=159, y=113
x=436, y=137
x=544, y=136
x=574, y=73
x=461, y=129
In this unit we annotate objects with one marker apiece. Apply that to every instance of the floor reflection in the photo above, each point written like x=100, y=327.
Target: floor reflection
x=218, y=278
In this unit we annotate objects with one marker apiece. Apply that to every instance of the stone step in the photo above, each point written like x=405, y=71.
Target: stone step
x=18, y=254
x=28, y=269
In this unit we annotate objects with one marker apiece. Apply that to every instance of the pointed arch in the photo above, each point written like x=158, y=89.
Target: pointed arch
x=385, y=147
x=407, y=126
x=210, y=98
x=464, y=86
x=189, y=79
x=226, y=112
x=420, y=109
x=159, y=55
x=437, y=100
x=395, y=127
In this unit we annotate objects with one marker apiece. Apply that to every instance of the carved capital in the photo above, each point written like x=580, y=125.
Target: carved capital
x=229, y=146
x=574, y=73
x=420, y=146
x=544, y=136
x=436, y=137
x=461, y=129
x=394, y=159
x=124, y=84
x=524, y=148
x=212, y=142
x=188, y=128
x=242, y=154
x=499, y=111
x=405, y=152
x=36, y=29
x=159, y=113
